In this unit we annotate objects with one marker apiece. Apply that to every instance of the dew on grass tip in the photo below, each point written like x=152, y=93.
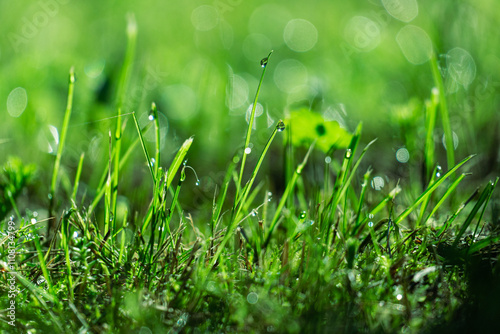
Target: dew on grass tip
x=302, y=215
x=280, y=126
x=263, y=62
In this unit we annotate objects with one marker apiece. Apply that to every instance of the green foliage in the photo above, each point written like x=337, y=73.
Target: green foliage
x=343, y=239
x=308, y=126
x=14, y=176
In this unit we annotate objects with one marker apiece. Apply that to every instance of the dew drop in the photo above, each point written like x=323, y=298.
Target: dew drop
x=328, y=160
x=254, y=212
x=370, y=224
x=248, y=150
x=197, y=183
x=438, y=171
x=280, y=126
x=263, y=62
x=153, y=162
x=75, y=234
x=302, y=215
x=152, y=112
x=348, y=153
x=33, y=221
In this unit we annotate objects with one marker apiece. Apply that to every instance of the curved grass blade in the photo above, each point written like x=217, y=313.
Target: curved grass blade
x=483, y=200
x=430, y=190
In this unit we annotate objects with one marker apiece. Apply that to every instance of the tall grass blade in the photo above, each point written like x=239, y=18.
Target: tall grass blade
x=77, y=178
x=264, y=63
x=62, y=141
x=430, y=124
x=445, y=115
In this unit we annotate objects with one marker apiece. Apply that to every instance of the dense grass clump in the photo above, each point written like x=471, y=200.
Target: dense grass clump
x=299, y=235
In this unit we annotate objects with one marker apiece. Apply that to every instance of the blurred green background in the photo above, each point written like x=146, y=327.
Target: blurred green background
x=363, y=61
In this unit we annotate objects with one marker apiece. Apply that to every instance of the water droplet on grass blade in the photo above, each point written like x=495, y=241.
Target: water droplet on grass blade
x=348, y=153
x=264, y=61
x=438, y=171
x=248, y=150
x=280, y=126
x=328, y=160
x=302, y=215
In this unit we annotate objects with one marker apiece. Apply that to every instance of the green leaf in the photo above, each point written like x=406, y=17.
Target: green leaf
x=307, y=126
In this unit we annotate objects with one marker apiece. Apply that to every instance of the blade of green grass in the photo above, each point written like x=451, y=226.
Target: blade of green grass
x=445, y=114
x=77, y=179
x=430, y=190
x=263, y=63
x=451, y=189
x=62, y=141
x=483, y=200
x=236, y=217
x=288, y=190
x=144, y=148
x=430, y=124
x=43, y=265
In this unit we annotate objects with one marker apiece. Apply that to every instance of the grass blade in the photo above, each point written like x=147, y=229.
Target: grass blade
x=263, y=63
x=62, y=140
x=445, y=116
x=430, y=190
x=483, y=199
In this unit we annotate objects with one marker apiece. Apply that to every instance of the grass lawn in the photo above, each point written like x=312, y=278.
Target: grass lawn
x=228, y=166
